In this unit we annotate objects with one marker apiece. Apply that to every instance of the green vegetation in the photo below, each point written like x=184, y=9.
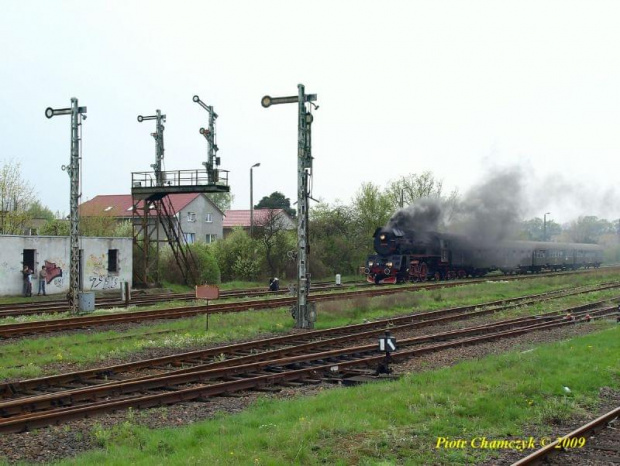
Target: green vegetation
x=44, y=353
x=499, y=397
x=206, y=270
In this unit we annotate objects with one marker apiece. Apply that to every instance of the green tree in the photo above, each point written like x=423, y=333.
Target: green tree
x=16, y=197
x=335, y=245
x=276, y=200
x=123, y=229
x=588, y=229
x=101, y=226
x=276, y=240
x=238, y=256
x=534, y=230
x=55, y=227
x=372, y=208
x=223, y=201
x=38, y=210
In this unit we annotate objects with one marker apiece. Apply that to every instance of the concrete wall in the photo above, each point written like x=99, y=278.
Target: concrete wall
x=53, y=252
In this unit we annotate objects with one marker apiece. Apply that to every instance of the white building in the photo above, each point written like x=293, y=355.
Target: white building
x=105, y=262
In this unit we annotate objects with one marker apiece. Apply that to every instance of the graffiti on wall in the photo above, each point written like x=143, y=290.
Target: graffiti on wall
x=96, y=265
x=102, y=282
x=98, y=276
x=52, y=271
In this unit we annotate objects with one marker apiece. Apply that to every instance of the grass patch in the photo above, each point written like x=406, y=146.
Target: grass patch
x=33, y=357
x=393, y=422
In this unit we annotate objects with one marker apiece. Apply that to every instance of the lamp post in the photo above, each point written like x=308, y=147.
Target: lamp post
x=545, y=226
x=252, y=200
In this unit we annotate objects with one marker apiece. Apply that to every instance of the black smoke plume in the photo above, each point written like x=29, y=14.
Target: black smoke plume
x=488, y=213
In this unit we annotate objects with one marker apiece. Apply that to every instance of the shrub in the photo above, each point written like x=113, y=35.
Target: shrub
x=206, y=271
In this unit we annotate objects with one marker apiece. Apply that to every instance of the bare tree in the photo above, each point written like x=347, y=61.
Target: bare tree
x=16, y=196
x=409, y=189
x=272, y=226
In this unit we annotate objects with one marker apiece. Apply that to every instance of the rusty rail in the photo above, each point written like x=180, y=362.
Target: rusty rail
x=24, y=413
x=539, y=455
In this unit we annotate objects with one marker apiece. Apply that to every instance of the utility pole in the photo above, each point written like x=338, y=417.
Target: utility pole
x=73, y=169
x=209, y=134
x=252, y=199
x=304, y=312
x=545, y=226
x=159, y=144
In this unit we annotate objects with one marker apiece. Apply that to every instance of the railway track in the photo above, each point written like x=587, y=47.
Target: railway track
x=304, y=358
x=106, y=302
x=596, y=442
x=73, y=323
x=139, y=299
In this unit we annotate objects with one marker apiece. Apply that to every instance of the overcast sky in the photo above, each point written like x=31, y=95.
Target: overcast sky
x=455, y=88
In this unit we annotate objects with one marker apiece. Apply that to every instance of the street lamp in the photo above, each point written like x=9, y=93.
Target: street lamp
x=252, y=200
x=545, y=226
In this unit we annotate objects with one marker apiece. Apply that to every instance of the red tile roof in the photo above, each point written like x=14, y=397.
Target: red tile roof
x=241, y=218
x=119, y=205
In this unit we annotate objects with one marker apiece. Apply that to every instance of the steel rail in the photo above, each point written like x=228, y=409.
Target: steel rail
x=431, y=316
x=361, y=355
x=15, y=330
x=554, y=447
x=58, y=306
x=418, y=320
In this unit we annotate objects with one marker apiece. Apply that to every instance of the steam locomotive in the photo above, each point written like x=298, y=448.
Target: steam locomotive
x=408, y=255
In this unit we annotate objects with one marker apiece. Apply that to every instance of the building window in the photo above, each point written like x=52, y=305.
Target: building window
x=191, y=216
x=190, y=238
x=209, y=218
x=112, y=260
x=211, y=238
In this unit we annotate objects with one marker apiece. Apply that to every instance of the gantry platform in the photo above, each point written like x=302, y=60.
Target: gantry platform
x=149, y=185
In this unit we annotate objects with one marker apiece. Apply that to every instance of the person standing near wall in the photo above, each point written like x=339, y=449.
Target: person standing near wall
x=42, y=277
x=27, y=288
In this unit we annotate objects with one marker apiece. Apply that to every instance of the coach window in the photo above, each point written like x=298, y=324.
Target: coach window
x=113, y=261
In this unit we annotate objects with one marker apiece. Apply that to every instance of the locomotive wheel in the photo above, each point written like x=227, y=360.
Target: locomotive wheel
x=461, y=274
x=437, y=276
x=423, y=272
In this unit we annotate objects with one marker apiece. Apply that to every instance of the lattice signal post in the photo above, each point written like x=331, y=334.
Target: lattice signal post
x=304, y=312
x=159, y=143
x=209, y=134
x=73, y=169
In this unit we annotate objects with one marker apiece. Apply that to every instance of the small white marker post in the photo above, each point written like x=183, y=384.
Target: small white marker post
x=387, y=344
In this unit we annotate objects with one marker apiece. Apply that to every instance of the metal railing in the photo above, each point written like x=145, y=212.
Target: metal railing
x=177, y=178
